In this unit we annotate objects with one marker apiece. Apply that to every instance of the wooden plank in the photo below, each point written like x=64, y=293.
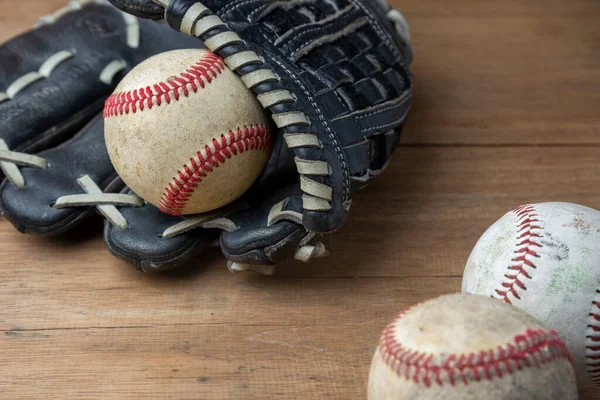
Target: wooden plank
x=247, y=337
x=506, y=80
x=67, y=295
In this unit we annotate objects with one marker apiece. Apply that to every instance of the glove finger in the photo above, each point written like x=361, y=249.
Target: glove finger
x=268, y=232
x=145, y=244
x=31, y=208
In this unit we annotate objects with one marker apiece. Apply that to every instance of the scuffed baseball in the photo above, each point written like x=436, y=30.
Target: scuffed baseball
x=545, y=259
x=184, y=132
x=467, y=347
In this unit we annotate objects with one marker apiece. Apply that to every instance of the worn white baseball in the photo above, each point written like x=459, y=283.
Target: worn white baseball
x=467, y=347
x=545, y=259
x=184, y=132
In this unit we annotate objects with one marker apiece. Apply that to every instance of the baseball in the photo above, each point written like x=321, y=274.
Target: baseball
x=467, y=347
x=185, y=134
x=545, y=259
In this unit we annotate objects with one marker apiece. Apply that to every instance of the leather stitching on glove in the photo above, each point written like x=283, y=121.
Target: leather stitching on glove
x=314, y=203
x=31, y=77
x=382, y=35
x=105, y=202
x=292, y=33
x=319, y=198
x=311, y=44
x=226, y=37
x=10, y=159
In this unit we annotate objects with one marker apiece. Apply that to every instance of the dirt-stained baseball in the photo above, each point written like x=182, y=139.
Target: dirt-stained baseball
x=467, y=347
x=184, y=132
x=545, y=259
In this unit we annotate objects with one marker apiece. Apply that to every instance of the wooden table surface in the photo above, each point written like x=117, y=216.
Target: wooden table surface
x=506, y=112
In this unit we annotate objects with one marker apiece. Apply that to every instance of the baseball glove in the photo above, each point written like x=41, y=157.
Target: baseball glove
x=333, y=73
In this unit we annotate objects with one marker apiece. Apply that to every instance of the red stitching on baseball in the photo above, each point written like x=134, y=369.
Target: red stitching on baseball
x=527, y=245
x=534, y=347
x=593, y=360
x=194, y=78
x=178, y=192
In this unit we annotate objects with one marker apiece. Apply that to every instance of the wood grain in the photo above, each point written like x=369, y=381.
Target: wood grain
x=505, y=113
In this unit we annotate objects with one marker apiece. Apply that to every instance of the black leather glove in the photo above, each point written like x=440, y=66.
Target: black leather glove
x=333, y=73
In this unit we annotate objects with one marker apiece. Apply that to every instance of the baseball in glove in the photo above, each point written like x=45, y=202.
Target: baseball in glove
x=333, y=74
